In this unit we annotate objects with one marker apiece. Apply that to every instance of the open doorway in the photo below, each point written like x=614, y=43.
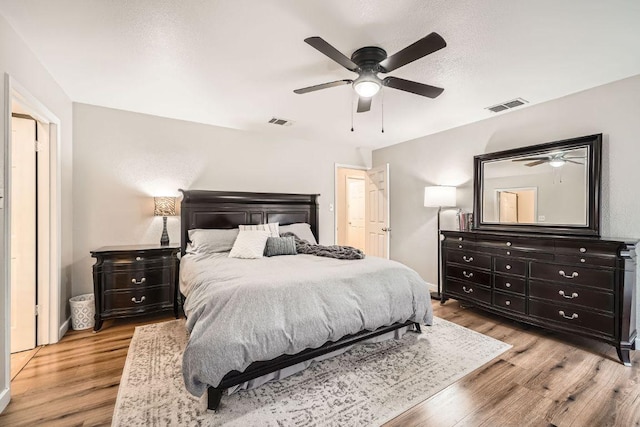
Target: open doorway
x=517, y=205
x=362, y=208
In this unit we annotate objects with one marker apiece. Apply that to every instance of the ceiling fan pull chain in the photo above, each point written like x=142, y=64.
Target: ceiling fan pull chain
x=382, y=119
x=352, y=98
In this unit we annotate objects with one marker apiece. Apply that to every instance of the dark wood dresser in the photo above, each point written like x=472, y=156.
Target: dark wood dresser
x=576, y=285
x=134, y=280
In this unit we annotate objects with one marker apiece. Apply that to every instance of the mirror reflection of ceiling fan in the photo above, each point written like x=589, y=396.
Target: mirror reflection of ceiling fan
x=555, y=160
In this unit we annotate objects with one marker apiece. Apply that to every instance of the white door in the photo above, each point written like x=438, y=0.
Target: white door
x=355, y=212
x=23, y=234
x=508, y=207
x=377, y=214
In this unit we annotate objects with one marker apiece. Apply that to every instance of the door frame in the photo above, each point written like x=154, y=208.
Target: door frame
x=48, y=330
x=337, y=166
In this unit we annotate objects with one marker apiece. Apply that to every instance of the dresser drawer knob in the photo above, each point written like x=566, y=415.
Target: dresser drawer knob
x=467, y=259
x=508, y=252
x=138, y=301
x=583, y=260
x=573, y=275
x=460, y=239
x=572, y=296
x=460, y=246
x=583, y=250
x=508, y=267
x=140, y=282
x=138, y=258
x=468, y=291
x=573, y=316
x=467, y=275
x=508, y=285
x=508, y=243
x=507, y=302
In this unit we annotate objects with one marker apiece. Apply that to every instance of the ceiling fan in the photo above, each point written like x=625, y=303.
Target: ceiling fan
x=369, y=61
x=555, y=160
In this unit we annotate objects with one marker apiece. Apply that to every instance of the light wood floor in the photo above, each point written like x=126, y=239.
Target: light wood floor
x=541, y=381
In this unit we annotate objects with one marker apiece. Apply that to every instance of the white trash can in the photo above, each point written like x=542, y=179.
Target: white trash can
x=83, y=310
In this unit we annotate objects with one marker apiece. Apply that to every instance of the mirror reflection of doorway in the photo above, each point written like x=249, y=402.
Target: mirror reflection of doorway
x=517, y=206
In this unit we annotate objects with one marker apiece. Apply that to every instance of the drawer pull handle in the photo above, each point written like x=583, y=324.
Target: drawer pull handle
x=508, y=267
x=467, y=275
x=573, y=316
x=468, y=291
x=573, y=275
x=138, y=302
x=470, y=259
x=507, y=302
x=136, y=282
x=583, y=250
x=508, y=243
x=572, y=296
x=508, y=285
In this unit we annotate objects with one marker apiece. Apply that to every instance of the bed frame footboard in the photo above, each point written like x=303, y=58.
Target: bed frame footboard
x=258, y=369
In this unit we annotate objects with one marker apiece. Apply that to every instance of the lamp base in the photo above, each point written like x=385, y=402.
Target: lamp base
x=436, y=295
x=164, y=239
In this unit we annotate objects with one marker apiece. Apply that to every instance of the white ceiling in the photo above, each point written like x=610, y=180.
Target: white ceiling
x=235, y=63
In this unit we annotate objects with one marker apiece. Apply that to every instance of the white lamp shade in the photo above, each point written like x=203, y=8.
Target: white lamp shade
x=440, y=196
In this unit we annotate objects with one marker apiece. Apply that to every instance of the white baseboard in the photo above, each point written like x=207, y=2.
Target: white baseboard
x=64, y=328
x=5, y=396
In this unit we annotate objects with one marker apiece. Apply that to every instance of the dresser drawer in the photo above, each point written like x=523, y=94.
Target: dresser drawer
x=510, y=284
x=587, y=247
x=137, y=299
x=518, y=253
x=516, y=243
x=572, y=316
x=586, y=260
x=469, y=291
x=509, y=302
x=573, y=274
x=469, y=275
x=510, y=266
x=572, y=294
x=472, y=259
x=136, y=278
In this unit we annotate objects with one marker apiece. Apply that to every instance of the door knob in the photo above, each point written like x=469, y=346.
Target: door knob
x=386, y=229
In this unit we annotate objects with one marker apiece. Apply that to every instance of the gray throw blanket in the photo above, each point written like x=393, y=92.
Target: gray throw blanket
x=333, y=251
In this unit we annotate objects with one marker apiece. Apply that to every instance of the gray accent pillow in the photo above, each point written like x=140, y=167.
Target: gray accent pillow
x=280, y=246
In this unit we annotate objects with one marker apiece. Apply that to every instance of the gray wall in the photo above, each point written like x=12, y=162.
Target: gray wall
x=122, y=159
x=446, y=158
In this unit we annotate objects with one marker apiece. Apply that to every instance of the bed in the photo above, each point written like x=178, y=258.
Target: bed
x=281, y=312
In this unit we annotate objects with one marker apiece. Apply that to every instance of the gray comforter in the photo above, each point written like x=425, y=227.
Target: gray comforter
x=241, y=311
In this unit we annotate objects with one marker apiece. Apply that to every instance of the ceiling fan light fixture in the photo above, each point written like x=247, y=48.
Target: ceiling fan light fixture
x=556, y=163
x=367, y=85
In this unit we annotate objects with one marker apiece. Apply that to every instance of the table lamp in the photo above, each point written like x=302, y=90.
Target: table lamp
x=164, y=207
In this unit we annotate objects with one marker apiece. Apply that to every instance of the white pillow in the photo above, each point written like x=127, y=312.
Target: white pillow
x=249, y=244
x=300, y=229
x=272, y=228
x=211, y=240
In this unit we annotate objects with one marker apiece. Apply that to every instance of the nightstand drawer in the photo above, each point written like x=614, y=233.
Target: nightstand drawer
x=137, y=299
x=137, y=278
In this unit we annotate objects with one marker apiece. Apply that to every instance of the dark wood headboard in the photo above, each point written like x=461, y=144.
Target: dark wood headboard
x=226, y=209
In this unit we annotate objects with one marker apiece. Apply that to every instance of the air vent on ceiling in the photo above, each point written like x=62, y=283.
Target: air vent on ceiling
x=280, y=122
x=506, y=105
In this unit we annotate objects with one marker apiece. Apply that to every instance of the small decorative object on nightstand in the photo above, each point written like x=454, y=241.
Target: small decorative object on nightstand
x=439, y=196
x=133, y=280
x=164, y=207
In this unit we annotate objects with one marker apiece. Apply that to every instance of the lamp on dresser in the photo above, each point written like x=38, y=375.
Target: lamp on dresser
x=164, y=207
x=439, y=196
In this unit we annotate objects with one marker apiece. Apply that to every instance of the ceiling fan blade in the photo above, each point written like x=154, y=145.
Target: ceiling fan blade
x=417, y=50
x=331, y=52
x=413, y=87
x=364, y=104
x=322, y=86
x=526, y=159
x=536, y=163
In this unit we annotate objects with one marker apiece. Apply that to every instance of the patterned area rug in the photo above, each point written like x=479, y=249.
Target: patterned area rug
x=368, y=385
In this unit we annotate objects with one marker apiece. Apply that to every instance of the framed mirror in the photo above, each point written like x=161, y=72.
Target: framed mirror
x=547, y=188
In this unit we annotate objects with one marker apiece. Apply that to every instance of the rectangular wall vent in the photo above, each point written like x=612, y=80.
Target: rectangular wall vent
x=506, y=105
x=280, y=122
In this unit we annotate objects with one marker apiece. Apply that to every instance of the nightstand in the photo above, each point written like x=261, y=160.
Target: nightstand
x=134, y=280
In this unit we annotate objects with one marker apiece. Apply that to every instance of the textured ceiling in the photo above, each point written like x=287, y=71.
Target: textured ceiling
x=235, y=63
